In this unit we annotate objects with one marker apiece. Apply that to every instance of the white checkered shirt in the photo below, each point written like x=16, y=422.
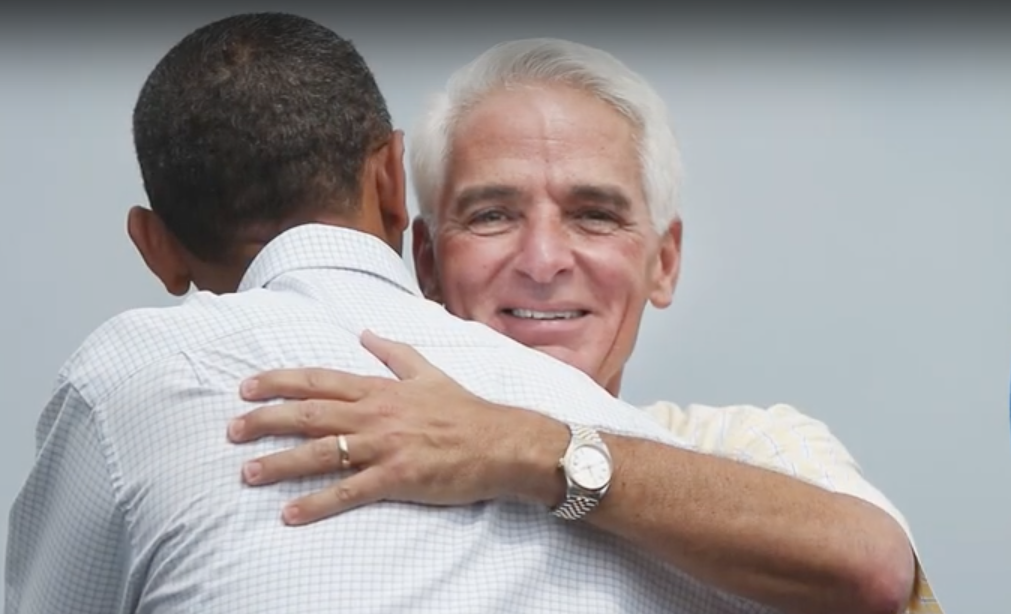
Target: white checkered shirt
x=135, y=502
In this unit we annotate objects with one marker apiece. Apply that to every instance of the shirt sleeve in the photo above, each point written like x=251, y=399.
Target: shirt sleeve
x=67, y=544
x=779, y=438
x=783, y=439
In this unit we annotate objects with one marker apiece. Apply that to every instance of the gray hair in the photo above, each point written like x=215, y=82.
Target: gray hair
x=546, y=60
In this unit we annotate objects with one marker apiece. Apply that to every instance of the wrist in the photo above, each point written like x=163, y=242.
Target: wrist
x=534, y=445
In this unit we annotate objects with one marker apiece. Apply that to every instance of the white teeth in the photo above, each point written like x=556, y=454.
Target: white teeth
x=544, y=315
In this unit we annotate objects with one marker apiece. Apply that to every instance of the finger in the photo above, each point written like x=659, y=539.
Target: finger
x=405, y=361
x=295, y=418
x=362, y=488
x=317, y=457
x=306, y=384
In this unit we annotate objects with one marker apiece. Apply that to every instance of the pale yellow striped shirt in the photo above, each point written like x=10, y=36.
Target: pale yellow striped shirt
x=783, y=439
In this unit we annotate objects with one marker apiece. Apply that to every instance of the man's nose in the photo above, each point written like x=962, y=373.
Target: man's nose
x=545, y=250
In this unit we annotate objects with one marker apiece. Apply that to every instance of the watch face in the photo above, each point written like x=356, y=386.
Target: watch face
x=589, y=467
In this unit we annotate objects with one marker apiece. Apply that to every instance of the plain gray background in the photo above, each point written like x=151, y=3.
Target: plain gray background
x=847, y=214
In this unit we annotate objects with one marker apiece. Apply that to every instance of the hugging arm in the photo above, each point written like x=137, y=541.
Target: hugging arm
x=750, y=531
x=756, y=532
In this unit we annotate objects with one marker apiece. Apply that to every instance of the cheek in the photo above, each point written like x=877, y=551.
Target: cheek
x=466, y=271
x=619, y=271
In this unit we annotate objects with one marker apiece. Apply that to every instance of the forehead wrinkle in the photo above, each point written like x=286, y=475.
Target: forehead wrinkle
x=554, y=137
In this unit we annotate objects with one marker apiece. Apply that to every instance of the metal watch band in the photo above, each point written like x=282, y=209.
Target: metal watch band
x=575, y=508
x=587, y=434
x=575, y=505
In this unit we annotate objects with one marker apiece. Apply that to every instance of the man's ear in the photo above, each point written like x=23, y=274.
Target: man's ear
x=423, y=246
x=161, y=252
x=391, y=188
x=666, y=267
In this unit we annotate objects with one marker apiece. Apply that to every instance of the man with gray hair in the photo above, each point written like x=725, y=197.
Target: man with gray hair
x=548, y=180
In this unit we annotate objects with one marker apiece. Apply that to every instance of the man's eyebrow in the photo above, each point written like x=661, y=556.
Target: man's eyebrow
x=482, y=193
x=601, y=194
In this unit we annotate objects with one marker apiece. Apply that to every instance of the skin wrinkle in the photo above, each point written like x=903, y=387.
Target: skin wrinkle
x=541, y=165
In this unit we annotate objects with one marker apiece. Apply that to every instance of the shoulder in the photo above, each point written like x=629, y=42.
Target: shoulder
x=134, y=340
x=732, y=420
x=502, y=370
x=779, y=436
x=121, y=344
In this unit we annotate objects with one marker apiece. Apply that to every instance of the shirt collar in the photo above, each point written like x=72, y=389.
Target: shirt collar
x=322, y=246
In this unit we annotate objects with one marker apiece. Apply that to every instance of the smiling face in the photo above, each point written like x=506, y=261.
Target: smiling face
x=543, y=231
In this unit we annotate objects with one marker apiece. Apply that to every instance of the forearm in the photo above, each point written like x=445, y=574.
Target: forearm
x=749, y=531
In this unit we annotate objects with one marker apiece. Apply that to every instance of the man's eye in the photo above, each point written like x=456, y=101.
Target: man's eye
x=598, y=220
x=490, y=222
x=597, y=215
x=490, y=216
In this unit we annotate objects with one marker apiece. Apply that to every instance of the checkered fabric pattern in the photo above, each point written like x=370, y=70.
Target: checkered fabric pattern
x=135, y=503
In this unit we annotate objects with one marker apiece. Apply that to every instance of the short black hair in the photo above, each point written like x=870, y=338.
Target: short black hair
x=254, y=119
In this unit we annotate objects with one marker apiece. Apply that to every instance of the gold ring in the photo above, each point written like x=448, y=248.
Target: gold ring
x=342, y=445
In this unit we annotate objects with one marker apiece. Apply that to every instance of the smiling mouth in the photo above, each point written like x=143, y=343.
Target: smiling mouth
x=531, y=314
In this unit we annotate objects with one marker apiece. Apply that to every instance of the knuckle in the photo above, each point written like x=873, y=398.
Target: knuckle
x=325, y=451
x=400, y=471
x=308, y=415
x=397, y=440
x=365, y=386
x=315, y=380
x=344, y=493
x=381, y=385
x=387, y=410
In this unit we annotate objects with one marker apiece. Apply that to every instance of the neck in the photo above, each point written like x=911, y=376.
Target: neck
x=224, y=277
x=613, y=386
